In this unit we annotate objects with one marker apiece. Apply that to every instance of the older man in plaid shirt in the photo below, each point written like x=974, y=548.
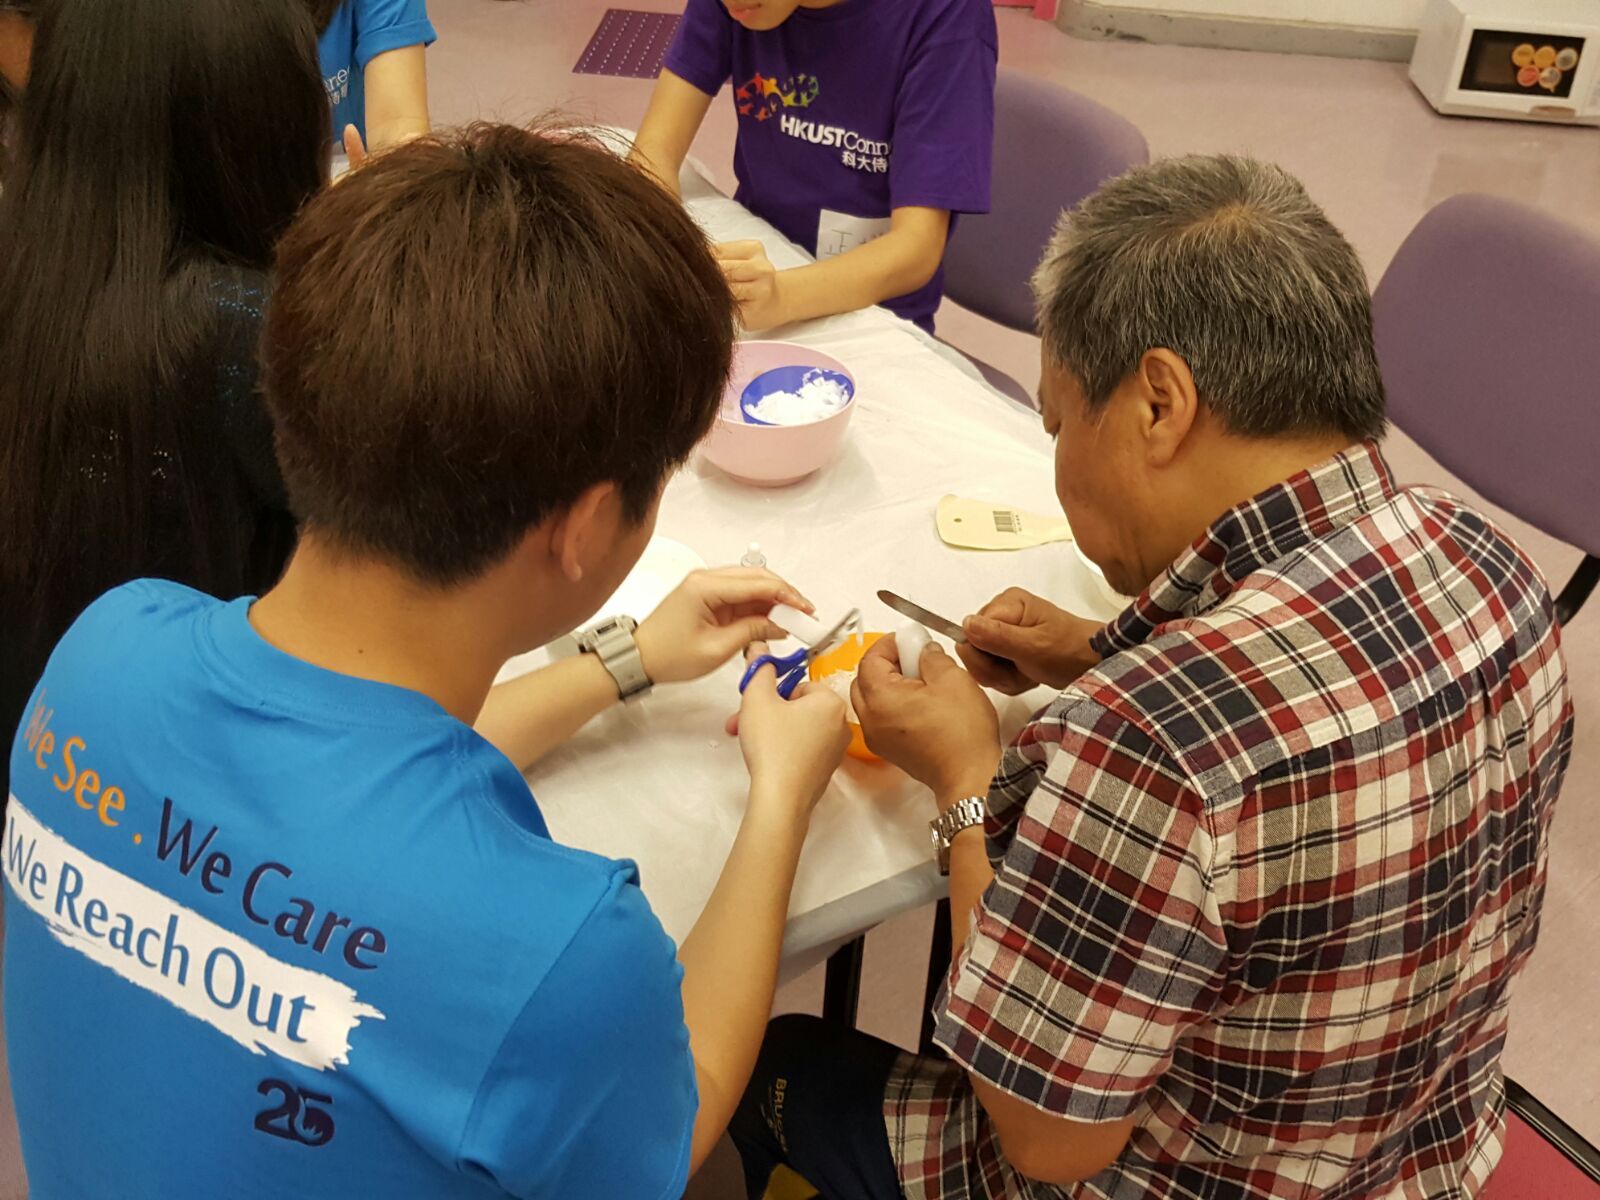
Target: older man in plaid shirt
x=1243, y=911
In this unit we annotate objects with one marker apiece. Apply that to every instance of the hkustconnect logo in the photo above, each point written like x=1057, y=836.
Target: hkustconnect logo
x=764, y=95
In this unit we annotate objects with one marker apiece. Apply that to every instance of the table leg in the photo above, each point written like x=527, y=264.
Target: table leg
x=938, y=968
x=841, y=986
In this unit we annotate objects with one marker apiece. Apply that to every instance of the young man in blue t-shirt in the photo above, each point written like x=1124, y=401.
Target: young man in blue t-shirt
x=864, y=126
x=374, y=68
x=281, y=922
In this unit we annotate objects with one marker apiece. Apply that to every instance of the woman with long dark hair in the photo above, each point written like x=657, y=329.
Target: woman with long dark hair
x=162, y=147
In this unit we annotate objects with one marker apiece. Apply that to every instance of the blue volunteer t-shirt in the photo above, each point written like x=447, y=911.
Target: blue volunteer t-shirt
x=360, y=31
x=274, y=931
x=849, y=112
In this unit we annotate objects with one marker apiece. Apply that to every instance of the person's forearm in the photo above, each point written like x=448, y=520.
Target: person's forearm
x=527, y=717
x=396, y=83
x=730, y=964
x=886, y=267
x=676, y=110
x=658, y=162
x=384, y=135
x=970, y=877
x=1074, y=1151
x=970, y=872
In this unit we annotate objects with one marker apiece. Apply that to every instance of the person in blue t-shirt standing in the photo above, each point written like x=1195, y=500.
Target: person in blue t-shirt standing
x=374, y=68
x=864, y=127
x=281, y=922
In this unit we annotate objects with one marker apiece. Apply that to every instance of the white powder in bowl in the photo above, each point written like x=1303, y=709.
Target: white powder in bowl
x=839, y=684
x=817, y=399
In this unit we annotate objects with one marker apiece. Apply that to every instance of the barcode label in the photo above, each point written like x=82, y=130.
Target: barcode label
x=1007, y=522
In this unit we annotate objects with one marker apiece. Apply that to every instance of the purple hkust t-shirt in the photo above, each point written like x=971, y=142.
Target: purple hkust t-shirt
x=848, y=112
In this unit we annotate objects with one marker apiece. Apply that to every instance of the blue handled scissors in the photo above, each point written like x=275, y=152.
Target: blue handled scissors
x=791, y=668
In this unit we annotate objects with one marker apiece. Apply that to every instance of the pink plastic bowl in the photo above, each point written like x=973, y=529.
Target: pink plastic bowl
x=773, y=455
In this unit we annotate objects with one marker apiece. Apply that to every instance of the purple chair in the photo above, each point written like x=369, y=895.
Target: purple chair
x=1052, y=148
x=1488, y=331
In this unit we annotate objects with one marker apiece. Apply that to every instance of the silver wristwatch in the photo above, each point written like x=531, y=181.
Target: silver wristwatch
x=612, y=642
x=963, y=814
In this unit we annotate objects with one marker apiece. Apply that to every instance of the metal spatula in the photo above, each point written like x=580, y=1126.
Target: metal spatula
x=985, y=525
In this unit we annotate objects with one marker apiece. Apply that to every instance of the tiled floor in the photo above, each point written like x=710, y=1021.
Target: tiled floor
x=1377, y=158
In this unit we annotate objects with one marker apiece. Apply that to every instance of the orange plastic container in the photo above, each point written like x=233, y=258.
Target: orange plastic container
x=847, y=658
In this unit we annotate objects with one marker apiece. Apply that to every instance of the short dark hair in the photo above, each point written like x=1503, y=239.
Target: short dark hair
x=476, y=327
x=1227, y=262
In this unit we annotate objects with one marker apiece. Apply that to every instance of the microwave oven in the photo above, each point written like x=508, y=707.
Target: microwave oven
x=1529, y=60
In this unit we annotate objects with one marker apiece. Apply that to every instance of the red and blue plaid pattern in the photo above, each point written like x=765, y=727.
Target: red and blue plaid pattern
x=1264, y=877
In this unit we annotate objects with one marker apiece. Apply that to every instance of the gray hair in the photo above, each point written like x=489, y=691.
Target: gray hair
x=1229, y=264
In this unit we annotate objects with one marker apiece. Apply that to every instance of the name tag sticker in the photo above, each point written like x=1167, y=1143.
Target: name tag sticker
x=838, y=233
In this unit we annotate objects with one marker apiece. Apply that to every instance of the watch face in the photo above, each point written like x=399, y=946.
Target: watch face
x=608, y=628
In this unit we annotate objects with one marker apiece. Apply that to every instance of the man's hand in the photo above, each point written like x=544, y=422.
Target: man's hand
x=793, y=746
x=1040, y=643
x=710, y=617
x=941, y=730
x=754, y=281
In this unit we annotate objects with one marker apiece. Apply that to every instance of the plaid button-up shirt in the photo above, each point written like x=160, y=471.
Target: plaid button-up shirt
x=1264, y=876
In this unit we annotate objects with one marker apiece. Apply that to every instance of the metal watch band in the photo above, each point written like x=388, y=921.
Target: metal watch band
x=612, y=642
x=963, y=814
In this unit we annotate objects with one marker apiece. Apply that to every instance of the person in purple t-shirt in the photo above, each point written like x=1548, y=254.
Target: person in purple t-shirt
x=864, y=126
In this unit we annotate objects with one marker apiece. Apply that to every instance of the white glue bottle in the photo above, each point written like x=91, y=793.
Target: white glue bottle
x=753, y=557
